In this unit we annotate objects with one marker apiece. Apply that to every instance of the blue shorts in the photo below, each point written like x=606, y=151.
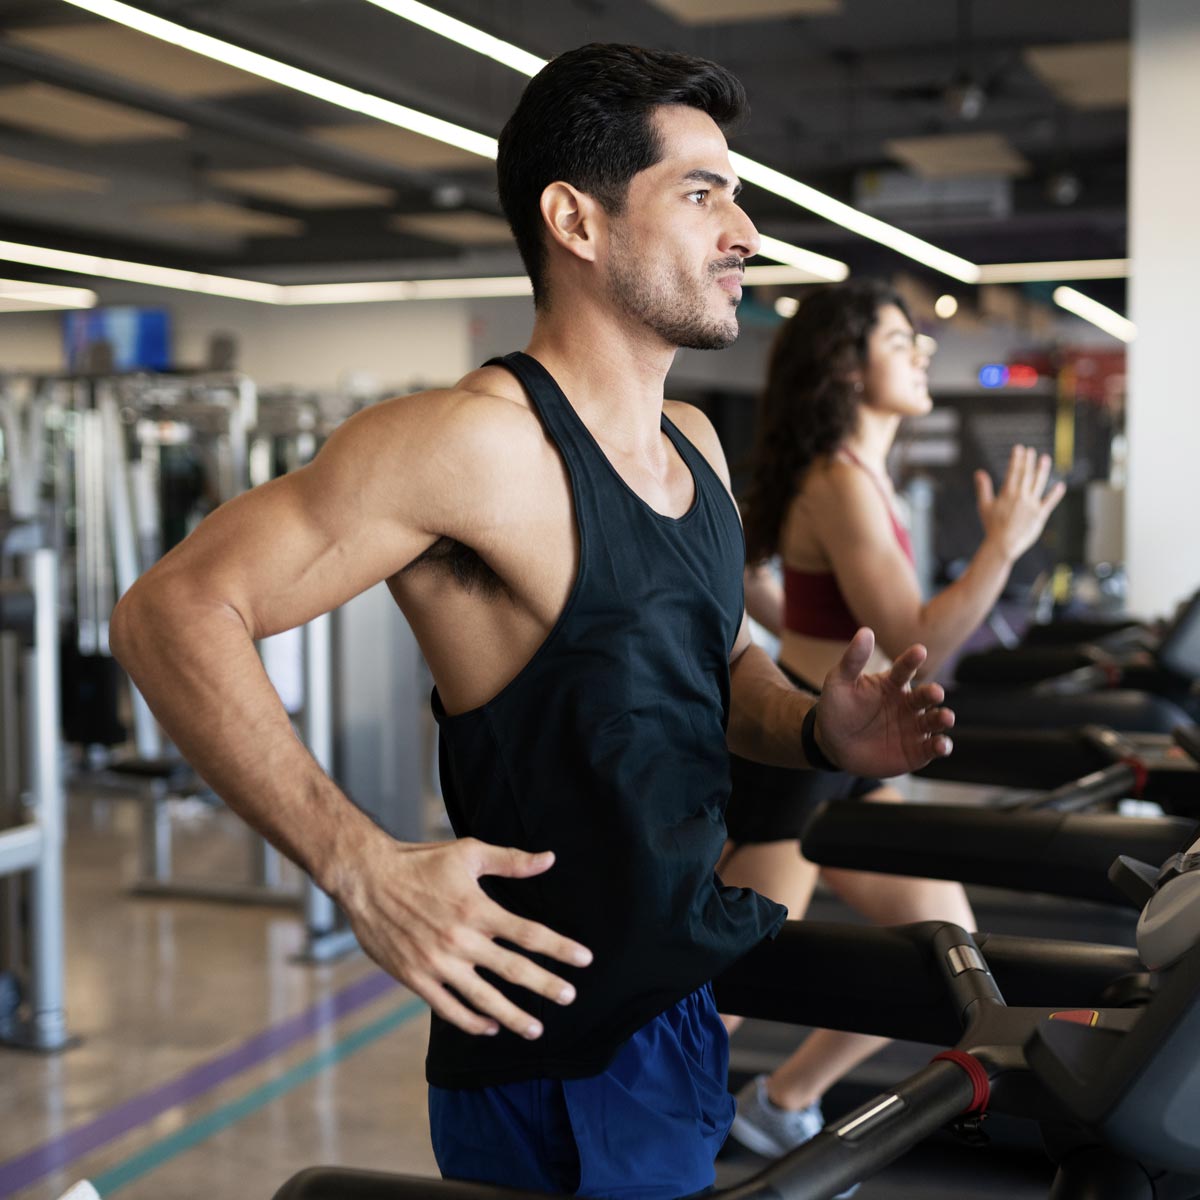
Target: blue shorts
x=647, y=1128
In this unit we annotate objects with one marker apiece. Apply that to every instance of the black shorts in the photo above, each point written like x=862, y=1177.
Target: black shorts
x=774, y=804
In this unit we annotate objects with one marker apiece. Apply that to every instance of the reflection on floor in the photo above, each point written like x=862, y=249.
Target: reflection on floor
x=213, y=1065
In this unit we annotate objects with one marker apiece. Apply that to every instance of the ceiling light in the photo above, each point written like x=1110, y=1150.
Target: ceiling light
x=1063, y=188
x=1098, y=314
x=772, y=276
x=945, y=307
x=407, y=289
x=316, y=85
x=1052, y=272
x=765, y=177
x=465, y=35
x=19, y=294
x=115, y=268
x=291, y=77
x=242, y=289
x=817, y=265
x=850, y=218
x=787, y=306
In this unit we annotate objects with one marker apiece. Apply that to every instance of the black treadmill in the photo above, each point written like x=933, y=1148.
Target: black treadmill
x=1115, y=1090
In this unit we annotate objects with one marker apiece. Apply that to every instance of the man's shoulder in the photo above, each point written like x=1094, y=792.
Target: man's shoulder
x=486, y=406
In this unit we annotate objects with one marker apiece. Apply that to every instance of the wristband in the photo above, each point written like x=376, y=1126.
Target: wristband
x=817, y=758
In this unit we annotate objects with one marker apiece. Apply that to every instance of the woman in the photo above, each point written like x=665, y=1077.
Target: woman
x=845, y=370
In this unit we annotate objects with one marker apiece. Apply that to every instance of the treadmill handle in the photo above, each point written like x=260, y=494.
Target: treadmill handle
x=1100, y=787
x=852, y=1148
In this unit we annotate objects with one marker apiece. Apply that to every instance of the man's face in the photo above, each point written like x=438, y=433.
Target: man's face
x=676, y=251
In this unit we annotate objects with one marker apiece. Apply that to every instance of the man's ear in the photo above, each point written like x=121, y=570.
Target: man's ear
x=572, y=219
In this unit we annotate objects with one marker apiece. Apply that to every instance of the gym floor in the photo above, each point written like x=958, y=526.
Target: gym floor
x=210, y=1063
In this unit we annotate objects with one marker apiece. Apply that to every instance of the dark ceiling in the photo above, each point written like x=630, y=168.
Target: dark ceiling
x=828, y=95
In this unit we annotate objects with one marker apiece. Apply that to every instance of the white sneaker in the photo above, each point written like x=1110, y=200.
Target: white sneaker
x=772, y=1131
x=82, y=1190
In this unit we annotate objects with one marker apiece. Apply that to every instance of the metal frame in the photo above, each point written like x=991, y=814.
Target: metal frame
x=37, y=846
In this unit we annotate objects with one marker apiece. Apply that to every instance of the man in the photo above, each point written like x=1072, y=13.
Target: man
x=565, y=549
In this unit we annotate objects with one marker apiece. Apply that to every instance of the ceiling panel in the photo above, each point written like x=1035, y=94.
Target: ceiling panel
x=211, y=216
x=713, y=12
x=947, y=155
x=78, y=118
x=304, y=187
x=20, y=175
x=399, y=146
x=139, y=59
x=1084, y=75
x=458, y=228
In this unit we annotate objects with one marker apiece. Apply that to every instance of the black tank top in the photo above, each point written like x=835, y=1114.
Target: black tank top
x=609, y=749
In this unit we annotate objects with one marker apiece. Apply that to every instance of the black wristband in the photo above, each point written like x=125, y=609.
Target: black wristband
x=817, y=759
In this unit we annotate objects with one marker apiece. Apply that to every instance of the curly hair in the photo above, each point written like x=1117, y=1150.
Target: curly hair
x=809, y=405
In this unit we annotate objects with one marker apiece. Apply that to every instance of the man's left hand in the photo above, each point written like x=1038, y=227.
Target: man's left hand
x=881, y=724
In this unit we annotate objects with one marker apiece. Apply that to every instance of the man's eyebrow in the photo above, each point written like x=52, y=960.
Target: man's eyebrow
x=717, y=180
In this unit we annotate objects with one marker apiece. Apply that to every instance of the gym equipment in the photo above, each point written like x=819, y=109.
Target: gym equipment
x=1169, y=668
x=32, y=954
x=1114, y=1089
x=1158, y=767
x=139, y=459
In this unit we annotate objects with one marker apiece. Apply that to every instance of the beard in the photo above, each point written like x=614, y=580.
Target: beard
x=672, y=303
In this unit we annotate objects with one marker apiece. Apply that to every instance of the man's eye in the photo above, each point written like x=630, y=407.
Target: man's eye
x=702, y=195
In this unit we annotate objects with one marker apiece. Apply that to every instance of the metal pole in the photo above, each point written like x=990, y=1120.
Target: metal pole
x=48, y=1029
x=123, y=538
x=324, y=940
x=320, y=912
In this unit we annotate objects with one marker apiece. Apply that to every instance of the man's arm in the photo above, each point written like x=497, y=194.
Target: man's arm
x=387, y=484
x=866, y=724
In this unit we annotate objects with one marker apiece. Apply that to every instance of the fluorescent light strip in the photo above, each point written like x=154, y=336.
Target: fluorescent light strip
x=774, y=276
x=1053, y=272
x=817, y=265
x=1098, y=314
x=51, y=295
x=850, y=218
x=336, y=93
x=765, y=177
x=312, y=293
x=466, y=35
x=407, y=289
x=291, y=77
x=238, y=289
x=115, y=268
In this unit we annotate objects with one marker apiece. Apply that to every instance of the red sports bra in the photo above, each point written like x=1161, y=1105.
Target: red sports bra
x=813, y=603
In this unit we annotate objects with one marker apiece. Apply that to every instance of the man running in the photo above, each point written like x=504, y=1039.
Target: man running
x=564, y=545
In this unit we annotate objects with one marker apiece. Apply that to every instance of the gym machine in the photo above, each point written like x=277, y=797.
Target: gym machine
x=1114, y=1089
x=1167, y=665
x=139, y=460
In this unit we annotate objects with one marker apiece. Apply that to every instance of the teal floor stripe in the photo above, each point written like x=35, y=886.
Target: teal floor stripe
x=167, y=1148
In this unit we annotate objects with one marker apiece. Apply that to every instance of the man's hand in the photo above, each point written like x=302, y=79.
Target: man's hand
x=420, y=913
x=880, y=724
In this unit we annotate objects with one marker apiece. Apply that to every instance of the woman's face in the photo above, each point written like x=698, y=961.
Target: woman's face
x=896, y=376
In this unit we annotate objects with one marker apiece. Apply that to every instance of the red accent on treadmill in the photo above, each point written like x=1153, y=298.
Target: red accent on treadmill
x=976, y=1073
x=1141, y=775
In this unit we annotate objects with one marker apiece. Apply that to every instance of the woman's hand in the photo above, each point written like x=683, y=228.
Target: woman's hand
x=1014, y=519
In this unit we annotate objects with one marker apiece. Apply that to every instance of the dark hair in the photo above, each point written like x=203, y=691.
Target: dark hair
x=809, y=405
x=585, y=119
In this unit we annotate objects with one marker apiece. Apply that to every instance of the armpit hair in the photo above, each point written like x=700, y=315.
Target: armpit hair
x=466, y=568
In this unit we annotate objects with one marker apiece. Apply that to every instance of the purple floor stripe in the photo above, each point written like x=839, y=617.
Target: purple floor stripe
x=28, y=1168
